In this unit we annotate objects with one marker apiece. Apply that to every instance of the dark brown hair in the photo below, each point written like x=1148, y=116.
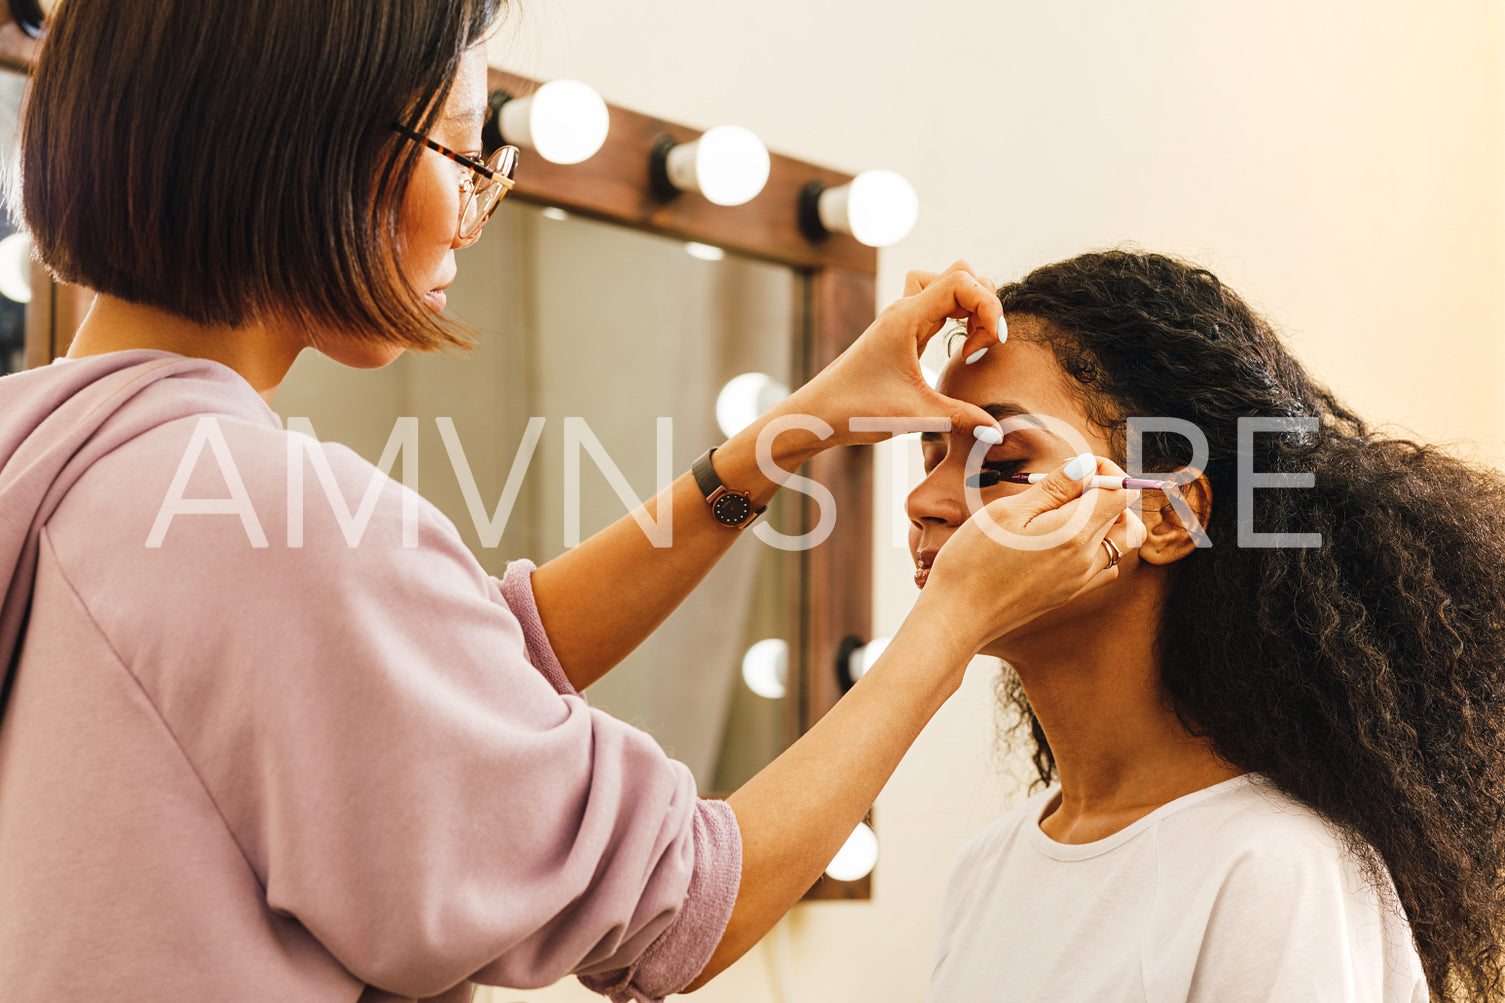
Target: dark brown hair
x=1364, y=677
x=236, y=161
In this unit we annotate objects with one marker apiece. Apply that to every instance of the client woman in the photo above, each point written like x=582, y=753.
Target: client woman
x=1279, y=759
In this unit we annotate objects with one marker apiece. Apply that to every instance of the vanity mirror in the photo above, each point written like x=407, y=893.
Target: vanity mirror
x=601, y=354
x=15, y=265
x=610, y=318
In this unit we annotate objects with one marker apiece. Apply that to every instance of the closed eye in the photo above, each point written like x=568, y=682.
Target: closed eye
x=992, y=474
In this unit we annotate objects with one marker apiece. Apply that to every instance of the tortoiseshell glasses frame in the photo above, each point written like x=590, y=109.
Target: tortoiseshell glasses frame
x=481, y=190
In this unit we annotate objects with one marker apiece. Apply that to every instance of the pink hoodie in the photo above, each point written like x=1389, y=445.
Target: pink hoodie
x=234, y=768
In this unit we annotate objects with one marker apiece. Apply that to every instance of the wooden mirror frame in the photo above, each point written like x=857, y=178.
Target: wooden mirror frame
x=838, y=279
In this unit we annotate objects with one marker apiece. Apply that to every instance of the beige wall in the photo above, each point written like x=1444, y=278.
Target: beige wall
x=1339, y=163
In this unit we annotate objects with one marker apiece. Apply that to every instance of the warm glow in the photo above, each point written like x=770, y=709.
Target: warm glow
x=744, y=398
x=564, y=121
x=765, y=668
x=863, y=658
x=878, y=208
x=15, y=268
x=729, y=165
x=857, y=857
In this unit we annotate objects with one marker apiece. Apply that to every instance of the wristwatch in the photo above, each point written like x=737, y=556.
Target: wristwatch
x=730, y=508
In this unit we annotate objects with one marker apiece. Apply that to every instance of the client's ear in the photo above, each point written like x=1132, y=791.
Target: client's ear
x=1169, y=533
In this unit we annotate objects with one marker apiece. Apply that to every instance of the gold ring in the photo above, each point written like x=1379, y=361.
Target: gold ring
x=1113, y=553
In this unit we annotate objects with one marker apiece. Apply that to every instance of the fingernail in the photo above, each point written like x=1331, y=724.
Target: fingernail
x=991, y=435
x=1080, y=466
x=1003, y=329
x=976, y=355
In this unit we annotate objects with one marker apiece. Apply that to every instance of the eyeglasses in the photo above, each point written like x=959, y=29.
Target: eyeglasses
x=482, y=189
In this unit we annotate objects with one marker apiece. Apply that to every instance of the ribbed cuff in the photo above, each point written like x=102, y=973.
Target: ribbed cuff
x=681, y=951
x=517, y=589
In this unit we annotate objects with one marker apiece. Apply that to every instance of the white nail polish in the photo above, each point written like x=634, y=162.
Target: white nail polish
x=1081, y=467
x=989, y=434
x=976, y=355
x=1003, y=329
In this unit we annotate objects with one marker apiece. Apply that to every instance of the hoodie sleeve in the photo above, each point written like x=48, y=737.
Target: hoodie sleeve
x=389, y=737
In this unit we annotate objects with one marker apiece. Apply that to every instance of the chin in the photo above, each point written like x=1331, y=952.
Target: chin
x=1054, y=630
x=362, y=354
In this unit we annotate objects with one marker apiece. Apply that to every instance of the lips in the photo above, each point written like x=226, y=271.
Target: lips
x=436, y=299
x=923, y=560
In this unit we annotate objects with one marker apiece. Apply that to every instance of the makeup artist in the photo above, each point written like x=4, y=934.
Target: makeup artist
x=233, y=766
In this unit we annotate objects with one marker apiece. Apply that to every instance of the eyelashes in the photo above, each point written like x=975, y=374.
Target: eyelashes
x=992, y=474
x=989, y=476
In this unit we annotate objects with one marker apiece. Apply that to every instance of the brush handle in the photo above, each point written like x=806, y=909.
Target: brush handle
x=1100, y=481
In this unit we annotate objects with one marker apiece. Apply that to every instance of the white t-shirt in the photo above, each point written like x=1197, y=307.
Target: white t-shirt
x=1234, y=893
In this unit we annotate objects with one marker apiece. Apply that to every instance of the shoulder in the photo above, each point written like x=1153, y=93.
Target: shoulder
x=1251, y=831
x=210, y=482
x=1261, y=891
x=1002, y=834
x=983, y=857
x=215, y=516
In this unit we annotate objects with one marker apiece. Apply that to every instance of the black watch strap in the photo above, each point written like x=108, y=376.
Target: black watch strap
x=730, y=508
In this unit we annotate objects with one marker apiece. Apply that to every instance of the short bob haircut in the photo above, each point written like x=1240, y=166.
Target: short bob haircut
x=234, y=162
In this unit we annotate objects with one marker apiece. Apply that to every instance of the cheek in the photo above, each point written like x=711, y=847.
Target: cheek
x=430, y=211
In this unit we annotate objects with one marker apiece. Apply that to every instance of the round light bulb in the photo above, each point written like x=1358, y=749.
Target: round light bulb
x=15, y=268
x=863, y=658
x=857, y=857
x=564, y=121
x=729, y=165
x=744, y=398
x=878, y=208
x=705, y=252
x=765, y=668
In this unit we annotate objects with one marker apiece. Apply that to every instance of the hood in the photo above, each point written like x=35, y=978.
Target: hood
x=56, y=421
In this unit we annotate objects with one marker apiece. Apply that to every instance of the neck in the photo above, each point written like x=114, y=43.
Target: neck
x=261, y=354
x=1120, y=750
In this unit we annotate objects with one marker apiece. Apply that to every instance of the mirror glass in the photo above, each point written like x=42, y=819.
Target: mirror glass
x=604, y=350
x=15, y=253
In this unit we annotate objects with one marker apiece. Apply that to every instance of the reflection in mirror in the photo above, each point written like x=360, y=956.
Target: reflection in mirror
x=15, y=251
x=596, y=342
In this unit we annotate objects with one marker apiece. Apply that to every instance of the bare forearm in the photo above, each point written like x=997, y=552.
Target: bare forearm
x=796, y=813
x=601, y=599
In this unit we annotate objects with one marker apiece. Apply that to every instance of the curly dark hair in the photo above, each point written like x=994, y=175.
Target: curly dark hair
x=1366, y=676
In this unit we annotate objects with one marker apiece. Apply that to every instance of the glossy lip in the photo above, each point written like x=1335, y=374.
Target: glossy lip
x=923, y=560
x=436, y=297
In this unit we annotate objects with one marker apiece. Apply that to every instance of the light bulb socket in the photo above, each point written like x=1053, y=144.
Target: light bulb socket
x=810, y=225
x=491, y=132
x=845, y=652
x=658, y=169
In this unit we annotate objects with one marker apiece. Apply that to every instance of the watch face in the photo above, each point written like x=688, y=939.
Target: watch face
x=731, y=509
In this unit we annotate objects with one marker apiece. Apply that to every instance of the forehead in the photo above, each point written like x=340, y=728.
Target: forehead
x=467, y=98
x=1022, y=372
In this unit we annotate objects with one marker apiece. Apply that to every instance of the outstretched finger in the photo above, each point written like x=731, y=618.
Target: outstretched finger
x=955, y=295
x=1056, y=502
x=916, y=281
x=1061, y=486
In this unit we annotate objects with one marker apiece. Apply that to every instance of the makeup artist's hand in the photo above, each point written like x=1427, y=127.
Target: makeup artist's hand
x=879, y=375
x=1027, y=553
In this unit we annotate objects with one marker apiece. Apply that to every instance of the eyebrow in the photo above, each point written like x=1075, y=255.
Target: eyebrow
x=470, y=117
x=999, y=412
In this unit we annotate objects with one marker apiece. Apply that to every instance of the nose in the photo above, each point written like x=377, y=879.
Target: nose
x=938, y=500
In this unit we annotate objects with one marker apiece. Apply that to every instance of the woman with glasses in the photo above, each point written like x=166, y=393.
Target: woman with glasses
x=246, y=754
